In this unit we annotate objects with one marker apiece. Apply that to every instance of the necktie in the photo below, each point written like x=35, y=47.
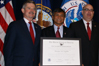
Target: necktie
x=57, y=33
x=88, y=31
x=31, y=32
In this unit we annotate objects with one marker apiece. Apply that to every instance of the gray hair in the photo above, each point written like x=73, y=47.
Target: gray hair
x=29, y=1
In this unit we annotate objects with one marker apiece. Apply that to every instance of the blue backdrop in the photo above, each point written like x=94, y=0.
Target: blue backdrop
x=17, y=4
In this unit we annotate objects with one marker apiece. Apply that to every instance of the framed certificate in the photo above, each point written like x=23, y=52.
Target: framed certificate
x=60, y=52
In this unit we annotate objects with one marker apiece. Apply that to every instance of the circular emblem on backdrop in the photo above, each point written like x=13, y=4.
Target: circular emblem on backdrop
x=43, y=17
x=73, y=11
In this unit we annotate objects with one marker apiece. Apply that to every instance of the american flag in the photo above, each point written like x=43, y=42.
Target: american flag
x=6, y=16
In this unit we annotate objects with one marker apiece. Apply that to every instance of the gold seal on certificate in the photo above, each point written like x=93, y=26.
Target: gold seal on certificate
x=60, y=52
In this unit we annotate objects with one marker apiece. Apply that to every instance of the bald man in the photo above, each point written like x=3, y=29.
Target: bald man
x=88, y=31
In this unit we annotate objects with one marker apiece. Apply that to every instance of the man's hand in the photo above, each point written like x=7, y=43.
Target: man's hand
x=39, y=64
x=82, y=64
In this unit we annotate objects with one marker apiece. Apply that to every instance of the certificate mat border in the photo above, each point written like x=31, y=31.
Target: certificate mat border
x=41, y=49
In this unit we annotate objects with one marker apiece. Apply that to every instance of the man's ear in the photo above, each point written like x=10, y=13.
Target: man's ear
x=52, y=17
x=22, y=10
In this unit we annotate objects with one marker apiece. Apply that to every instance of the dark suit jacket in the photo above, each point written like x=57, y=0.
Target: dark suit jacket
x=89, y=48
x=49, y=32
x=18, y=46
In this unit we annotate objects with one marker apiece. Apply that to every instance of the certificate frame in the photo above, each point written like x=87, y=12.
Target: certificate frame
x=42, y=52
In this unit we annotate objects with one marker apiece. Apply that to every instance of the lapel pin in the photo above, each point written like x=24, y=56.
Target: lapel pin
x=65, y=33
x=35, y=27
x=94, y=25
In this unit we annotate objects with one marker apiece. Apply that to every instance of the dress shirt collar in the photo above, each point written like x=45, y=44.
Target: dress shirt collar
x=60, y=29
x=26, y=21
x=55, y=27
x=90, y=24
x=85, y=22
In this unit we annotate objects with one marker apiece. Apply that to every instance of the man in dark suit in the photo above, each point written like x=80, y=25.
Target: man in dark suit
x=89, y=35
x=20, y=47
x=58, y=20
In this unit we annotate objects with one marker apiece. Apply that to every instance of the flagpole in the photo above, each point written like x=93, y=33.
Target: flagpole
x=41, y=14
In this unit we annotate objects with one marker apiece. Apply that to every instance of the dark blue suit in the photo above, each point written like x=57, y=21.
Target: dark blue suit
x=50, y=32
x=18, y=46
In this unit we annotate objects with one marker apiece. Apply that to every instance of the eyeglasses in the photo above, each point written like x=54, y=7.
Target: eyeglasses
x=88, y=9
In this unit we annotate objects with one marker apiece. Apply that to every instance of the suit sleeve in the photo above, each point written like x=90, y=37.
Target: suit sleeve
x=39, y=46
x=72, y=30
x=43, y=34
x=70, y=26
x=9, y=44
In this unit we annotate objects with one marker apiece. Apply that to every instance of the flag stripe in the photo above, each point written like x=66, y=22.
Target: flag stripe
x=2, y=34
x=1, y=46
x=6, y=15
x=10, y=10
x=1, y=59
x=3, y=24
x=1, y=54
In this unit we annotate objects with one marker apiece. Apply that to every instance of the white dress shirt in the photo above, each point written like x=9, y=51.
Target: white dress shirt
x=60, y=30
x=90, y=24
x=28, y=25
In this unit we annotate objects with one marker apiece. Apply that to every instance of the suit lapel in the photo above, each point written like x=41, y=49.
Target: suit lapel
x=26, y=31
x=93, y=32
x=37, y=33
x=83, y=29
x=64, y=31
x=52, y=31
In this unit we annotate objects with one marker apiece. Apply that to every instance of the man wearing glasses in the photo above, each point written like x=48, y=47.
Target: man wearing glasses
x=88, y=31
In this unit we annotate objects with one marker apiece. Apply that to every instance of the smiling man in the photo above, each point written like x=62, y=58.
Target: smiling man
x=21, y=45
x=88, y=31
x=57, y=29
